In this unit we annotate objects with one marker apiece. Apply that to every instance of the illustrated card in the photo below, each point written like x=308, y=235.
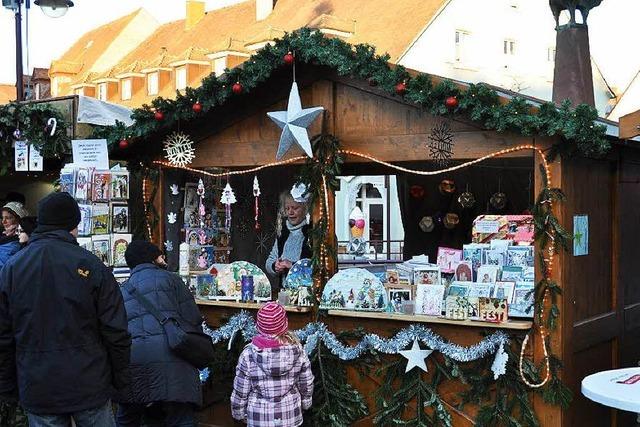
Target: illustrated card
x=447, y=259
x=120, y=218
x=100, y=218
x=119, y=244
x=488, y=274
x=120, y=185
x=101, y=247
x=492, y=310
x=101, y=186
x=429, y=299
x=83, y=184
x=426, y=275
x=84, y=226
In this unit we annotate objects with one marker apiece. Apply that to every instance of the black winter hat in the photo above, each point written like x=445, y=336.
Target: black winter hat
x=28, y=224
x=141, y=252
x=58, y=211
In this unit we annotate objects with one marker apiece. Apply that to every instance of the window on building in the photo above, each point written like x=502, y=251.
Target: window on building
x=37, y=90
x=461, y=45
x=509, y=47
x=551, y=54
x=152, y=83
x=126, y=89
x=181, y=78
x=79, y=91
x=219, y=65
x=102, y=91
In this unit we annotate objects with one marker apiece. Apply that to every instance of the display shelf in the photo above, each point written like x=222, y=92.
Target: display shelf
x=520, y=325
x=250, y=305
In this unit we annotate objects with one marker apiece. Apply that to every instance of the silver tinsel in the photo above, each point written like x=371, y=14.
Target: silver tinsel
x=314, y=333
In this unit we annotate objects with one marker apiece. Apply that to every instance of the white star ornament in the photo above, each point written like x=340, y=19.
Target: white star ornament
x=294, y=123
x=415, y=357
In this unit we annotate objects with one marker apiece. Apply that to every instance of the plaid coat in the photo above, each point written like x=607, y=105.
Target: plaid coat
x=272, y=386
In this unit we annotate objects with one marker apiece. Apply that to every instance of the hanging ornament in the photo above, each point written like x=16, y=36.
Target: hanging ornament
x=197, y=107
x=447, y=186
x=498, y=200
x=17, y=134
x=201, y=210
x=451, y=102
x=467, y=200
x=441, y=144
x=288, y=58
x=168, y=246
x=174, y=189
x=237, y=88
x=416, y=191
x=401, y=88
x=426, y=224
x=256, y=195
x=172, y=217
x=51, y=125
x=158, y=115
x=451, y=220
x=294, y=123
x=179, y=149
x=227, y=199
x=123, y=144
x=415, y=356
x=499, y=365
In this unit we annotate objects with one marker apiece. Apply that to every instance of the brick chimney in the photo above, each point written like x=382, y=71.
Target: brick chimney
x=572, y=76
x=264, y=8
x=195, y=12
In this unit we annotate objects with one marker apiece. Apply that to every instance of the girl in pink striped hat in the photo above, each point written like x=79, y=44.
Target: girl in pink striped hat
x=273, y=383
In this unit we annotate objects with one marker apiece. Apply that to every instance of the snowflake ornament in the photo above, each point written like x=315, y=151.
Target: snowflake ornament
x=168, y=245
x=172, y=217
x=179, y=149
x=499, y=366
x=441, y=144
x=174, y=189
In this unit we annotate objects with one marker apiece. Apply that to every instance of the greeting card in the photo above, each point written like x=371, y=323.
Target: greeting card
x=447, y=259
x=101, y=186
x=100, y=218
x=492, y=310
x=429, y=299
x=119, y=244
x=426, y=275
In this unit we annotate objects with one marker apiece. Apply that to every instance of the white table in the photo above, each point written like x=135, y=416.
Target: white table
x=602, y=387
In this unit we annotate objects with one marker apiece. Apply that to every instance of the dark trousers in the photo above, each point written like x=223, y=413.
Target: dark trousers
x=166, y=414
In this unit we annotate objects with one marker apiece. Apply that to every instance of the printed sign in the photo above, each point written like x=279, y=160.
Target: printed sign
x=35, y=159
x=21, y=156
x=91, y=153
x=487, y=226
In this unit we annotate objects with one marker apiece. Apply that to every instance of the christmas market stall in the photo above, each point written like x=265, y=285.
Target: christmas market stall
x=454, y=265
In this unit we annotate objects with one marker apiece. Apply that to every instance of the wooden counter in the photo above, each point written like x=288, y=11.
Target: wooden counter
x=244, y=305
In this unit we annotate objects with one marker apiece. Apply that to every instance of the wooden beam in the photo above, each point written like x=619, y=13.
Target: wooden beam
x=630, y=125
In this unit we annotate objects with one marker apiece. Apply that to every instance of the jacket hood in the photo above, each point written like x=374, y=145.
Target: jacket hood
x=278, y=361
x=54, y=234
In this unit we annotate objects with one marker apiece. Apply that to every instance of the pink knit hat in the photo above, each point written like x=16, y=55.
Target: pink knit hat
x=272, y=319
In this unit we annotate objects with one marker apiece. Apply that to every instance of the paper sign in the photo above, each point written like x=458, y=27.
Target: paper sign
x=631, y=380
x=487, y=226
x=35, y=159
x=580, y=235
x=21, y=156
x=90, y=153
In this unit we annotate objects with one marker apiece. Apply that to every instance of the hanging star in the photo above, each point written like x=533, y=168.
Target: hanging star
x=294, y=123
x=415, y=357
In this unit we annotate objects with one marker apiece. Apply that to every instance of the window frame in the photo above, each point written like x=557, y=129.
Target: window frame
x=181, y=71
x=126, y=89
x=153, y=83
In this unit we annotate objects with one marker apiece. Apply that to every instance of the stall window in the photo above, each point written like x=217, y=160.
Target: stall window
x=126, y=89
x=181, y=78
x=152, y=83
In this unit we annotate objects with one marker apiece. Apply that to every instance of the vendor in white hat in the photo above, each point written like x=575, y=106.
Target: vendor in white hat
x=291, y=242
x=9, y=239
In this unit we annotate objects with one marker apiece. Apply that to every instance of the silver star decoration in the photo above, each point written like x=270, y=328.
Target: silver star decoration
x=294, y=123
x=415, y=357
x=172, y=217
x=174, y=189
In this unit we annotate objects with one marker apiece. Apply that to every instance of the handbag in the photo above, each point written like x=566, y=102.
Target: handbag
x=193, y=346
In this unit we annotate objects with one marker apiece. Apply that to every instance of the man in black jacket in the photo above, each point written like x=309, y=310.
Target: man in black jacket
x=64, y=344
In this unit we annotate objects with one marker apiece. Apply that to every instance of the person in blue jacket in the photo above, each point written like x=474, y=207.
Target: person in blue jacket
x=64, y=345
x=9, y=244
x=163, y=386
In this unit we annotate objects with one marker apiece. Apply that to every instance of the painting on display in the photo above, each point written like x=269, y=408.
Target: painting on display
x=230, y=281
x=354, y=289
x=299, y=283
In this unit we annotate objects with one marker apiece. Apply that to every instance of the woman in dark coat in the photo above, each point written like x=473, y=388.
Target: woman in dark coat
x=161, y=382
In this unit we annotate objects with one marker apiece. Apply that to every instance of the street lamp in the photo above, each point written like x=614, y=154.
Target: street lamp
x=51, y=8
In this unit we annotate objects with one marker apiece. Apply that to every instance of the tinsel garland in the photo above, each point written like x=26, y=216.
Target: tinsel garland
x=314, y=333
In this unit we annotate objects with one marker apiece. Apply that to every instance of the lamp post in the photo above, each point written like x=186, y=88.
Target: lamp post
x=51, y=8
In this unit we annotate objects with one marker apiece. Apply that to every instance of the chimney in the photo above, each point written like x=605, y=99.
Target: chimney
x=264, y=8
x=195, y=12
x=572, y=76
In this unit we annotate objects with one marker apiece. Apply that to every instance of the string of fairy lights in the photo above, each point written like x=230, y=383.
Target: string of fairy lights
x=549, y=250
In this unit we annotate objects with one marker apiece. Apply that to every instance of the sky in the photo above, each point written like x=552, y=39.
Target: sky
x=612, y=30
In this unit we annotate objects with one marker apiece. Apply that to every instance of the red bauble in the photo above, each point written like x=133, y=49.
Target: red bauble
x=451, y=102
x=288, y=58
x=401, y=88
x=197, y=107
x=158, y=115
x=123, y=144
x=236, y=88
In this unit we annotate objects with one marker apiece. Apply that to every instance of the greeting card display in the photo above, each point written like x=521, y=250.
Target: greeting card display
x=230, y=281
x=512, y=274
x=426, y=275
x=119, y=244
x=473, y=253
x=488, y=273
x=101, y=186
x=459, y=289
x=503, y=290
x=456, y=308
x=119, y=218
x=492, y=310
x=119, y=185
x=478, y=290
x=520, y=256
x=522, y=303
x=448, y=258
x=84, y=226
x=464, y=271
x=355, y=289
x=83, y=182
x=429, y=299
x=518, y=228
x=397, y=297
x=68, y=181
x=301, y=274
